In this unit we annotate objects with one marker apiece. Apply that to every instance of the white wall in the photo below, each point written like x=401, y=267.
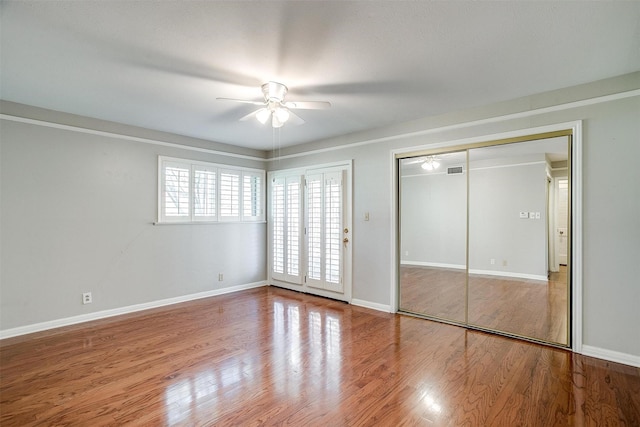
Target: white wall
x=611, y=233
x=76, y=216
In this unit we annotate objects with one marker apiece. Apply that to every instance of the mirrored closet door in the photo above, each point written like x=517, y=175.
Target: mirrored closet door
x=433, y=218
x=483, y=237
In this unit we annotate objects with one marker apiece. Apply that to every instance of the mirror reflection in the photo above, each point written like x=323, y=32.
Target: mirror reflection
x=500, y=263
x=517, y=218
x=433, y=239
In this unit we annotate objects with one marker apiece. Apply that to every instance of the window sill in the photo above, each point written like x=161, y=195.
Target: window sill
x=207, y=222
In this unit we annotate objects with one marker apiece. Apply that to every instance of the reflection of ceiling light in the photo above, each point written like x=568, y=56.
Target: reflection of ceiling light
x=430, y=163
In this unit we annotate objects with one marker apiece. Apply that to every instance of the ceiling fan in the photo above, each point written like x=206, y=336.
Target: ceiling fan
x=274, y=106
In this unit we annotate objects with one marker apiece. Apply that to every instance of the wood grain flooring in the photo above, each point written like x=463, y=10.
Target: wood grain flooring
x=530, y=308
x=269, y=356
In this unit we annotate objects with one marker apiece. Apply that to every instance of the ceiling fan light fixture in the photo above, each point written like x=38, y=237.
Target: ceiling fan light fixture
x=282, y=114
x=275, y=123
x=430, y=163
x=263, y=115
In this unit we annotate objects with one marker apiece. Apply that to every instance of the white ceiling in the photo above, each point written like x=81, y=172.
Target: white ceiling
x=161, y=64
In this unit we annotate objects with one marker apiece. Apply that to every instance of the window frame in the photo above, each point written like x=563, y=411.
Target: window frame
x=257, y=197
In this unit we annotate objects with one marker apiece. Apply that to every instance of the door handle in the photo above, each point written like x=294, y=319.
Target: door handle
x=345, y=240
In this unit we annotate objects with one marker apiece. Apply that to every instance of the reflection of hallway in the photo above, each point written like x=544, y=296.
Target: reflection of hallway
x=529, y=308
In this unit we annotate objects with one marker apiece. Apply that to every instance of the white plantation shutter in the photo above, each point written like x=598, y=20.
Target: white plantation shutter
x=175, y=195
x=333, y=227
x=286, y=228
x=314, y=228
x=204, y=193
x=194, y=191
x=252, y=195
x=324, y=230
x=229, y=195
x=293, y=226
x=277, y=227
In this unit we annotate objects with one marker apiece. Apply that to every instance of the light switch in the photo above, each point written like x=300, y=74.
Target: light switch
x=366, y=216
x=532, y=215
x=524, y=215
x=537, y=215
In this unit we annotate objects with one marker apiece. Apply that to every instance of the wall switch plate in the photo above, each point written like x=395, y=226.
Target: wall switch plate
x=524, y=215
x=537, y=215
x=366, y=216
x=220, y=277
x=532, y=215
x=86, y=298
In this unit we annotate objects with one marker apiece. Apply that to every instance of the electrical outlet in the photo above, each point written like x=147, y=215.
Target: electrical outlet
x=504, y=262
x=86, y=298
x=406, y=253
x=220, y=277
x=493, y=261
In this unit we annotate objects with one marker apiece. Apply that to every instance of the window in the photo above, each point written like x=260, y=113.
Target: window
x=193, y=191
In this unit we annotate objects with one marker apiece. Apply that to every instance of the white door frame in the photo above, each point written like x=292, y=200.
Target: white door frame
x=576, y=213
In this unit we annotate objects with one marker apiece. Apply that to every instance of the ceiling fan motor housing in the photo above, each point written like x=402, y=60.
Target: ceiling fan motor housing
x=274, y=92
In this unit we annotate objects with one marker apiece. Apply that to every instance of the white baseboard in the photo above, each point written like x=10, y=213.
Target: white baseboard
x=434, y=264
x=372, y=305
x=610, y=355
x=510, y=274
x=475, y=271
x=43, y=326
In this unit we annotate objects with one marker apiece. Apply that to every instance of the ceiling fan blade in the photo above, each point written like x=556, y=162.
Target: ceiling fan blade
x=308, y=105
x=295, y=119
x=244, y=101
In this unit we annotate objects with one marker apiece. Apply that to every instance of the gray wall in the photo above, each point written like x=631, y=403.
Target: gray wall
x=496, y=197
x=433, y=215
x=76, y=216
x=51, y=251
x=611, y=201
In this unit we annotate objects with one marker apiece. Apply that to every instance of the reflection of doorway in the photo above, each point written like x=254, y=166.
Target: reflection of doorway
x=562, y=214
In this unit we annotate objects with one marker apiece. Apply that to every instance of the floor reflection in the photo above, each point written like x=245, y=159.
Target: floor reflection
x=530, y=308
x=276, y=357
x=305, y=358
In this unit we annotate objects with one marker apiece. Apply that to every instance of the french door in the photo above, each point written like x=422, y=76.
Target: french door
x=309, y=231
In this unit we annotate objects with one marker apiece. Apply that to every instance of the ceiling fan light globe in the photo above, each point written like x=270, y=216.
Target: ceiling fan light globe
x=436, y=164
x=275, y=122
x=282, y=114
x=263, y=115
x=427, y=166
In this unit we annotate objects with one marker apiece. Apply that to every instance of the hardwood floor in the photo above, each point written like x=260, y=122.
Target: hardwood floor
x=269, y=356
x=529, y=308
